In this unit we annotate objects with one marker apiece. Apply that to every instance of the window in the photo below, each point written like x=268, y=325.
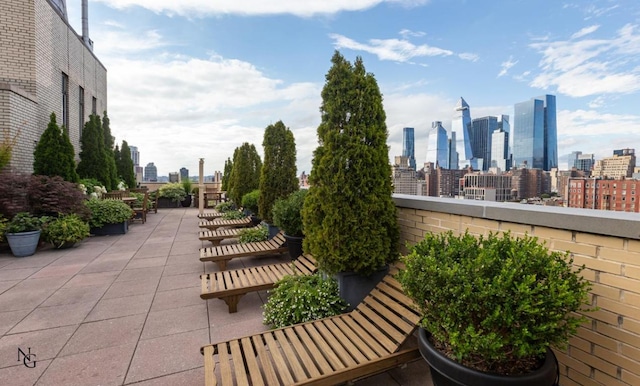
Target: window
x=94, y=105
x=80, y=110
x=65, y=100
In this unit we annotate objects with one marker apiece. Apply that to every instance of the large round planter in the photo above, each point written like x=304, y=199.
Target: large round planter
x=23, y=243
x=353, y=288
x=446, y=372
x=295, y=245
x=186, y=203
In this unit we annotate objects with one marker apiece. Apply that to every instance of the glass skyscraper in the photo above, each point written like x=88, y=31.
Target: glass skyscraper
x=481, y=131
x=461, y=125
x=535, y=135
x=438, y=146
x=408, y=146
x=500, y=150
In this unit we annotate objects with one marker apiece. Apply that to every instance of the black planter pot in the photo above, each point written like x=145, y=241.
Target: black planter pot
x=295, y=245
x=446, y=372
x=353, y=288
x=273, y=230
x=255, y=220
x=186, y=203
x=164, y=202
x=111, y=229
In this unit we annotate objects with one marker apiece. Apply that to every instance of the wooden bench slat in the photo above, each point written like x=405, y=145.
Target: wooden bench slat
x=240, y=371
x=249, y=356
x=278, y=359
x=308, y=363
x=292, y=358
x=367, y=334
x=209, y=366
x=336, y=340
x=317, y=356
x=323, y=346
x=266, y=364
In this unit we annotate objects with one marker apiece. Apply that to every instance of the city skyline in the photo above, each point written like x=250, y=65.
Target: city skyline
x=195, y=79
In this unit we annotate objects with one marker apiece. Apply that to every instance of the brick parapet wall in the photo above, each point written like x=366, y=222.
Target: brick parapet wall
x=606, y=350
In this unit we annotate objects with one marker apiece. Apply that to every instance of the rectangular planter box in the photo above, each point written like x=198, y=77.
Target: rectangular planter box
x=167, y=203
x=111, y=229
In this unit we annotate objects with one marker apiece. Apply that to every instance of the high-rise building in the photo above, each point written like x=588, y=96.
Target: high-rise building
x=408, y=146
x=618, y=166
x=404, y=177
x=481, y=131
x=461, y=125
x=487, y=187
x=584, y=162
x=174, y=177
x=438, y=149
x=500, y=150
x=135, y=155
x=151, y=172
x=535, y=137
x=184, y=174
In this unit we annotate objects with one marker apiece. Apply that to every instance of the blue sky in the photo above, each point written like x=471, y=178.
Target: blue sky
x=196, y=78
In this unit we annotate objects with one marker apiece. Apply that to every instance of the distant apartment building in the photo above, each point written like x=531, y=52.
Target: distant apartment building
x=529, y=183
x=404, y=177
x=45, y=67
x=449, y=181
x=303, y=180
x=620, y=165
x=184, y=174
x=562, y=181
x=174, y=177
x=151, y=172
x=429, y=186
x=135, y=155
x=486, y=187
x=409, y=146
x=605, y=194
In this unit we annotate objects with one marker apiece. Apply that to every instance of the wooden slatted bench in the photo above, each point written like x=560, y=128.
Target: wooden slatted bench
x=210, y=215
x=219, y=223
x=368, y=340
x=231, y=286
x=220, y=234
x=222, y=254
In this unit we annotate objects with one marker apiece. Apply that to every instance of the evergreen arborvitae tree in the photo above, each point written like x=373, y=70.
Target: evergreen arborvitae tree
x=245, y=174
x=93, y=158
x=228, y=165
x=112, y=171
x=278, y=175
x=126, y=165
x=54, y=154
x=117, y=156
x=349, y=217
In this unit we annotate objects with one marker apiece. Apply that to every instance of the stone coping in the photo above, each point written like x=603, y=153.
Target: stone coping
x=17, y=90
x=603, y=222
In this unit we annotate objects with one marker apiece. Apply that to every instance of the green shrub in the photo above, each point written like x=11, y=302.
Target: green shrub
x=3, y=228
x=64, y=230
x=173, y=191
x=233, y=215
x=287, y=213
x=108, y=212
x=25, y=222
x=187, y=185
x=300, y=298
x=494, y=302
x=249, y=235
x=250, y=201
x=225, y=206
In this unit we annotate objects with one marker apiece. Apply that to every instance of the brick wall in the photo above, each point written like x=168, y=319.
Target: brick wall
x=606, y=350
x=40, y=46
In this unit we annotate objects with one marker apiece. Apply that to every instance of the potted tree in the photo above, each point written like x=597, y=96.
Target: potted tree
x=187, y=186
x=278, y=174
x=109, y=217
x=492, y=307
x=250, y=205
x=171, y=195
x=245, y=172
x=65, y=231
x=349, y=217
x=287, y=216
x=23, y=234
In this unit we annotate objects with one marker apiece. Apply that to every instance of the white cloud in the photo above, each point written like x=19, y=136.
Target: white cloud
x=597, y=102
x=585, y=31
x=505, y=66
x=587, y=67
x=405, y=33
x=203, y=8
x=469, y=56
x=117, y=42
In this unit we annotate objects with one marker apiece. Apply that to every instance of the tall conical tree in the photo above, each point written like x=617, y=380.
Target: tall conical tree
x=349, y=216
x=278, y=174
x=226, y=176
x=54, y=154
x=126, y=165
x=117, y=156
x=93, y=159
x=245, y=174
x=112, y=171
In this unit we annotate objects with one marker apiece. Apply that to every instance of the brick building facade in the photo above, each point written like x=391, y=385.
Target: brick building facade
x=45, y=67
x=619, y=195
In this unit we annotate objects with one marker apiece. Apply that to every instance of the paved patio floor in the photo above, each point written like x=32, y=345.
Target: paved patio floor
x=120, y=310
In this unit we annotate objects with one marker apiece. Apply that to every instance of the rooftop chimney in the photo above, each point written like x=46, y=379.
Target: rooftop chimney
x=85, y=25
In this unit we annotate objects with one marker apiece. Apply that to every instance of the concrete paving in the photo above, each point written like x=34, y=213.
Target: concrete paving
x=120, y=310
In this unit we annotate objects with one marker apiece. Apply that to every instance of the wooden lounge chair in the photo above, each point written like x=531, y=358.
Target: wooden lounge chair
x=363, y=342
x=222, y=254
x=113, y=195
x=219, y=223
x=230, y=286
x=220, y=234
x=210, y=215
x=140, y=212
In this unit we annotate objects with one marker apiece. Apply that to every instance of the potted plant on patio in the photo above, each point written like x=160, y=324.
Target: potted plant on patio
x=109, y=217
x=492, y=307
x=349, y=217
x=171, y=195
x=23, y=234
x=250, y=205
x=278, y=174
x=65, y=231
x=187, y=186
x=287, y=216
